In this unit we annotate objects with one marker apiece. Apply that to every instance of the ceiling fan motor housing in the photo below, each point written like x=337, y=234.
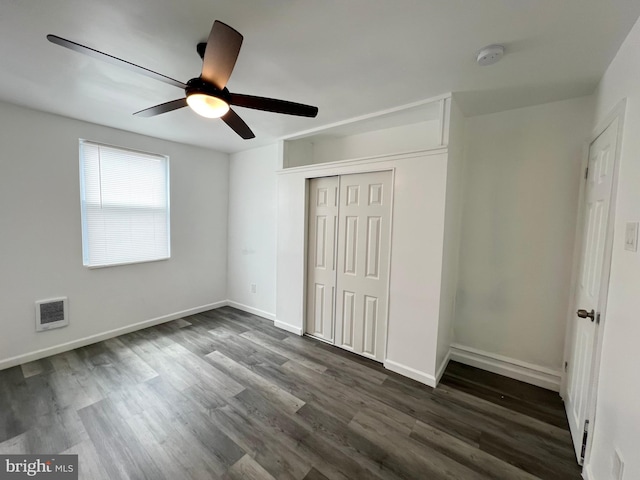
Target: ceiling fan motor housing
x=198, y=85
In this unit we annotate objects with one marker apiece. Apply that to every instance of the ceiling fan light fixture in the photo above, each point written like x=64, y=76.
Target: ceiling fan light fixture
x=207, y=105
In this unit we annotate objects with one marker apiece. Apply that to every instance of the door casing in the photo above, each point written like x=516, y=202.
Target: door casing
x=618, y=114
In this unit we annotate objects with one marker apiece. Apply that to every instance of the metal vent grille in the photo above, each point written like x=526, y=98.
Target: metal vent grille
x=51, y=313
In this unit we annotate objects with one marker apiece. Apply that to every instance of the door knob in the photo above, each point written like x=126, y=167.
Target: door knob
x=584, y=314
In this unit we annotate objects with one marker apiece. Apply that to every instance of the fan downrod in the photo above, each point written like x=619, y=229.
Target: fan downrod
x=200, y=48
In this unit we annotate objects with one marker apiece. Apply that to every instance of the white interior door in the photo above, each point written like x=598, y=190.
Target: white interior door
x=591, y=286
x=364, y=227
x=321, y=258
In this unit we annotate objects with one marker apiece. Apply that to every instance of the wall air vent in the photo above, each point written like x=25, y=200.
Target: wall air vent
x=52, y=313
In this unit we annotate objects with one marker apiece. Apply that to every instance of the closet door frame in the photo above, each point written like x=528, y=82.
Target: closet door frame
x=348, y=170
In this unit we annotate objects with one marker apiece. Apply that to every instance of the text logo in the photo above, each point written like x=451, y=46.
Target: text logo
x=50, y=467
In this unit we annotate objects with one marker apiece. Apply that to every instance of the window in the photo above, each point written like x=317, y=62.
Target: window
x=125, y=205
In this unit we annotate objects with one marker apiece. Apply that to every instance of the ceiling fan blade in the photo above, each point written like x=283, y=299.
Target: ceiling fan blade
x=162, y=108
x=232, y=119
x=221, y=53
x=113, y=60
x=273, y=105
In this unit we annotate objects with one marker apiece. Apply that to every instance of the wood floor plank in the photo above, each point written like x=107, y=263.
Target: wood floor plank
x=243, y=350
x=525, y=392
x=36, y=367
x=182, y=444
x=225, y=395
x=257, y=323
x=351, y=400
x=315, y=475
x=296, y=437
x=89, y=465
x=544, y=413
x=268, y=343
x=405, y=457
x=269, y=450
x=174, y=461
x=214, y=318
x=560, y=437
x=528, y=458
x=11, y=422
x=121, y=454
x=248, y=469
x=351, y=454
x=248, y=378
x=307, y=348
x=466, y=454
x=136, y=367
x=15, y=445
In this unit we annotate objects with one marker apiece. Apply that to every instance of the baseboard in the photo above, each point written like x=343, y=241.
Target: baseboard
x=443, y=367
x=288, y=327
x=509, y=367
x=82, y=342
x=254, y=311
x=410, y=372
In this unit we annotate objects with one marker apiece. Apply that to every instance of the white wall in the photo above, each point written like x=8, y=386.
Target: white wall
x=523, y=173
x=416, y=252
x=405, y=138
x=617, y=422
x=452, y=234
x=252, y=230
x=40, y=234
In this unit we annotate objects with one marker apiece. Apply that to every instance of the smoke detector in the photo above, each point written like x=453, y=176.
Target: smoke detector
x=490, y=55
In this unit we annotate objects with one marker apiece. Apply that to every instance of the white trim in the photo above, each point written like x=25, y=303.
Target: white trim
x=586, y=473
x=386, y=157
x=389, y=262
x=410, y=372
x=288, y=327
x=618, y=114
x=368, y=116
x=82, y=342
x=443, y=367
x=254, y=311
x=324, y=340
x=444, y=117
x=509, y=367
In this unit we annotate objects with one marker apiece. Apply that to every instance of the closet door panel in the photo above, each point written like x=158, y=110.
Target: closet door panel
x=364, y=228
x=321, y=267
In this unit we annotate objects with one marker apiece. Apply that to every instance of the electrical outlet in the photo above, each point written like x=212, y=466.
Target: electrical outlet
x=253, y=288
x=618, y=466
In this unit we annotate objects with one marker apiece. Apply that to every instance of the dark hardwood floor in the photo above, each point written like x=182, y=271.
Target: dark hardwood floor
x=226, y=395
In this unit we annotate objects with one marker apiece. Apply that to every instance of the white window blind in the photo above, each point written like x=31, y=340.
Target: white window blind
x=125, y=205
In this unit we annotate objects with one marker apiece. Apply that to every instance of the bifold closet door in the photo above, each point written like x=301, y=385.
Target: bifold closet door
x=364, y=216
x=321, y=257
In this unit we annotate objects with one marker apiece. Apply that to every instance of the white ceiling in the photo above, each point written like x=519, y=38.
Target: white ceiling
x=348, y=57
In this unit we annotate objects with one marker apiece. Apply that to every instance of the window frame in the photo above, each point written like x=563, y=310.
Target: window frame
x=83, y=202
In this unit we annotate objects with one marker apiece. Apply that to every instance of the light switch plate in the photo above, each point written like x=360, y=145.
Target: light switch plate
x=631, y=237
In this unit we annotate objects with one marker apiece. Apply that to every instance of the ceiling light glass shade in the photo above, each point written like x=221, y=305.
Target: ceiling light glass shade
x=207, y=106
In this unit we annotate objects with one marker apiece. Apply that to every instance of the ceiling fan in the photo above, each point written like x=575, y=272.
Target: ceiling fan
x=207, y=94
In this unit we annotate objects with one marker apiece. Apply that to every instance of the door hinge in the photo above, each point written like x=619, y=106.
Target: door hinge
x=566, y=366
x=586, y=173
x=585, y=435
x=598, y=318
